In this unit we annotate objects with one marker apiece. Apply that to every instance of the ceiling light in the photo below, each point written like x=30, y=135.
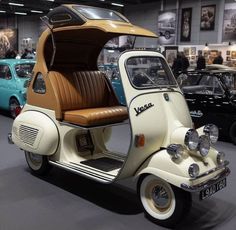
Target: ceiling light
x=37, y=11
x=50, y=0
x=20, y=13
x=2, y=11
x=15, y=4
x=116, y=4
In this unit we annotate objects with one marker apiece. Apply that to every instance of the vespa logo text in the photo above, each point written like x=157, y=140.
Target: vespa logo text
x=143, y=108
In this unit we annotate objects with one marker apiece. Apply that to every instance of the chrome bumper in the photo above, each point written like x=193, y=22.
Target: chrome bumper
x=205, y=185
x=9, y=138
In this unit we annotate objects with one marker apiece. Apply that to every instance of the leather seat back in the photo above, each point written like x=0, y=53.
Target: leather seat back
x=80, y=90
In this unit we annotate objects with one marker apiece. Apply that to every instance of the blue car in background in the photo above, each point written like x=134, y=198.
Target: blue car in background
x=111, y=71
x=14, y=78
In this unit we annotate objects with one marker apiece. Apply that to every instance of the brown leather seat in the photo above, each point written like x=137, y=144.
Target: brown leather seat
x=86, y=98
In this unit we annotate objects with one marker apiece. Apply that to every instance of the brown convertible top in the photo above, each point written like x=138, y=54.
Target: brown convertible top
x=79, y=34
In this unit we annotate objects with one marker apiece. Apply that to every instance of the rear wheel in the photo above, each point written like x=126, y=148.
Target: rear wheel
x=167, y=35
x=38, y=164
x=163, y=203
x=14, y=107
x=232, y=133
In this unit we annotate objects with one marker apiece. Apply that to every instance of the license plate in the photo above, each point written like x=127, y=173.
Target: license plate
x=213, y=189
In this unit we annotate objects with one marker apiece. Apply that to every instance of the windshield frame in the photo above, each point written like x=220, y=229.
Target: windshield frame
x=166, y=68
x=85, y=12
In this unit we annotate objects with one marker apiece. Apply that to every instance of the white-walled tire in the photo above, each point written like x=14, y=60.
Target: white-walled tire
x=38, y=164
x=162, y=202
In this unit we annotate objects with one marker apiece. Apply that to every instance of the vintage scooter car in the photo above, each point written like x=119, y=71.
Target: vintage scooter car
x=71, y=113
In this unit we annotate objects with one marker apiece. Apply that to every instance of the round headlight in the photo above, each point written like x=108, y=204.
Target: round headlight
x=191, y=139
x=220, y=158
x=175, y=150
x=212, y=132
x=193, y=170
x=204, y=145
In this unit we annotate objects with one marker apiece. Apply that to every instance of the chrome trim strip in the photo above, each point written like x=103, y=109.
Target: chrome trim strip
x=211, y=171
x=204, y=185
x=82, y=172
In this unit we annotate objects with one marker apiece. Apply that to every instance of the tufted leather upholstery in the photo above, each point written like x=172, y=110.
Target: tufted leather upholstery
x=86, y=98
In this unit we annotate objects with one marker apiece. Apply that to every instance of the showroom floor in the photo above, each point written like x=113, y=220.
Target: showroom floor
x=63, y=200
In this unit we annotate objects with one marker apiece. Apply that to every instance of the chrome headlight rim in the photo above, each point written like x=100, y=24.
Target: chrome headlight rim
x=175, y=151
x=191, y=139
x=212, y=132
x=193, y=170
x=204, y=145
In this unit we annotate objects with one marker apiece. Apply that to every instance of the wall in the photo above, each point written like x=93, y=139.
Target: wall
x=145, y=15
x=28, y=27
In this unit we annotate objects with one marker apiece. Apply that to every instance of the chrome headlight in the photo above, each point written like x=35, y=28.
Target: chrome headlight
x=193, y=170
x=191, y=139
x=212, y=132
x=220, y=158
x=204, y=145
x=175, y=150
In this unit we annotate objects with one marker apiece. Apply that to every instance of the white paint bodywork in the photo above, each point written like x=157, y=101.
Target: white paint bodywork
x=164, y=123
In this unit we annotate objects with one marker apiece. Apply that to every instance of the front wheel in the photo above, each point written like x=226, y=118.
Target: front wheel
x=163, y=203
x=38, y=164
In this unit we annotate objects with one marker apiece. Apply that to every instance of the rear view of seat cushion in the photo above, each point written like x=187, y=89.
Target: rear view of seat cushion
x=96, y=116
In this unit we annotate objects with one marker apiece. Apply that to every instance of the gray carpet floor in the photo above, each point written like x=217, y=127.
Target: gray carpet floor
x=63, y=200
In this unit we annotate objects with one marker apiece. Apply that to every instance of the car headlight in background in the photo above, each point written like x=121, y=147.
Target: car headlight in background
x=191, y=139
x=193, y=170
x=175, y=150
x=220, y=158
x=204, y=145
x=212, y=132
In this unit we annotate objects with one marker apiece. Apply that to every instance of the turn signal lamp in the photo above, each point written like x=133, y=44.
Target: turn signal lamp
x=139, y=140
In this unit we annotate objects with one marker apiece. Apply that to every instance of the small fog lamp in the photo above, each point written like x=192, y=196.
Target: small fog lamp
x=212, y=132
x=193, y=170
x=191, y=139
x=175, y=150
x=220, y=158
x=204, y=145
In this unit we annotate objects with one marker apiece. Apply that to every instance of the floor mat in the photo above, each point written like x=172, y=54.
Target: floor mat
x=104, y=163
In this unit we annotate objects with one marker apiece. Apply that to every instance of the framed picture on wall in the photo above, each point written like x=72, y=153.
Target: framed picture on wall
x=233, y=54
x=171, y=54
x=186, y=21
x=166, y=27
x=8, y=41
x=229, y=31
x=208, y=17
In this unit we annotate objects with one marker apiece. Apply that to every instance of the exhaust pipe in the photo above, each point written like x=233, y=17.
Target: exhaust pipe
x=9, y=138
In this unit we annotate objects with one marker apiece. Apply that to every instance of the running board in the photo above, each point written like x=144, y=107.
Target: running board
x=84, y=171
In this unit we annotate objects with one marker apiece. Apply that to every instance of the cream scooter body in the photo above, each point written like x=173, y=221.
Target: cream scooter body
x=61, y=125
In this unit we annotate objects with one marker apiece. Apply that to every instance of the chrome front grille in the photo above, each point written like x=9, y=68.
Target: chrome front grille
x=28, y=134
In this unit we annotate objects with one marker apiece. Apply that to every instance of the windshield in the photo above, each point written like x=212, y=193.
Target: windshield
x=99, y=13
x=24, y=70
x=149, y=72
x=230, y=80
